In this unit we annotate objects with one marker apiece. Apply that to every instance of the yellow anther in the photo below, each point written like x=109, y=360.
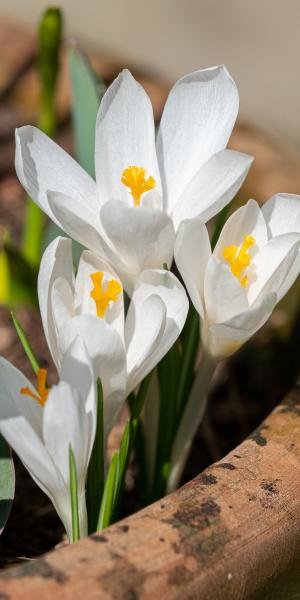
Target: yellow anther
x=102, y=297
x=135, y=179
x=42, y=390
x=239, y=259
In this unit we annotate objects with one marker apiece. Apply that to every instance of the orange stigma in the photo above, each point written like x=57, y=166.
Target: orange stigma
x=135, y=179
x=42, y=391
x=239, y=260
x=101, y=297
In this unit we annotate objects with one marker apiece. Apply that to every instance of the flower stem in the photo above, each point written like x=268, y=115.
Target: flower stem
x=95, y=478
x=190, y=421
x=74, y=496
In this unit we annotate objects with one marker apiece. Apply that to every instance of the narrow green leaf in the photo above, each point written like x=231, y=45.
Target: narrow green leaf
x=190, y=343
x=95, y=478
x=50, y=38
x=87, y=92
x=25, y=343
x=123, y=460
x=136, y=403
x=7, y=482
x=74, y=496
x=107, y=504
x=168, y=376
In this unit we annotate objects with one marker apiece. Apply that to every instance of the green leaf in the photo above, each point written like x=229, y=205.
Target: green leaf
x=95, y=478
x=136, y=403
x=50, y=39
x=87, y=92
x=168, y=377
x=25, y=343
x=74, y=496
x=107, y=504
x=190, y=343
x=7, y=482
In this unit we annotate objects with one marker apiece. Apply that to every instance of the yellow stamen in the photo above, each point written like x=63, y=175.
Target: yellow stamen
x=102, y=297
x=42, y=390
x=239, y=260
x=135, y=179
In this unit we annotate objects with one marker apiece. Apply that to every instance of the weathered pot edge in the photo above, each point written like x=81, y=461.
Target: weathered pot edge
x=222, y=535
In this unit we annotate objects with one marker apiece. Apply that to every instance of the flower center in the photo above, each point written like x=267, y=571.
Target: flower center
x=135, y=179
x=42, y=390
x=103, y=297
x=239, y=259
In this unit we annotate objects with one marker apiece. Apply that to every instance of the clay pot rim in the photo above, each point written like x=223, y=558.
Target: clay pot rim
x=214, y=536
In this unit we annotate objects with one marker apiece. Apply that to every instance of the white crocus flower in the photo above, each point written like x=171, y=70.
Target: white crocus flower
x=143, y=188
x=234, y=289
x=255, y=261
x=40, y=424
x=124, y=351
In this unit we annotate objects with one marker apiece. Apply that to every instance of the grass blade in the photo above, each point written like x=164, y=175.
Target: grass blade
x=95, y=478
x=74, y=496
x=25, y=343
x=107, y=504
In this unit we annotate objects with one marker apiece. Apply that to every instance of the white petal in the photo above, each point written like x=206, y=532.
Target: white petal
x=21, y=424
x=223, y=339
x=192, y=252
x=213, y=186
x=247, y=220
x=124, y=136
x=62, y=307
x=144, y=330
x=78, y=222
x=271, y=265
x=107, y=352
x=196, y=123
x=290, y=278
x=89, y=263
x=67, y=424
x=12, y=402
x=77, y=371
x=142, y=318
x=224, y=295
x=282, y=214
x=56, y=263
x=144, y=238
x=41, y=165
x=32, y=452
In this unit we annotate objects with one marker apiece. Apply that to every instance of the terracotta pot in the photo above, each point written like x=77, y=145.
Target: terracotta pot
x=224, y=535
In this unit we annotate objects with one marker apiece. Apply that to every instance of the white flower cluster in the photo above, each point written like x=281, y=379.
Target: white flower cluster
x=149, y=203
